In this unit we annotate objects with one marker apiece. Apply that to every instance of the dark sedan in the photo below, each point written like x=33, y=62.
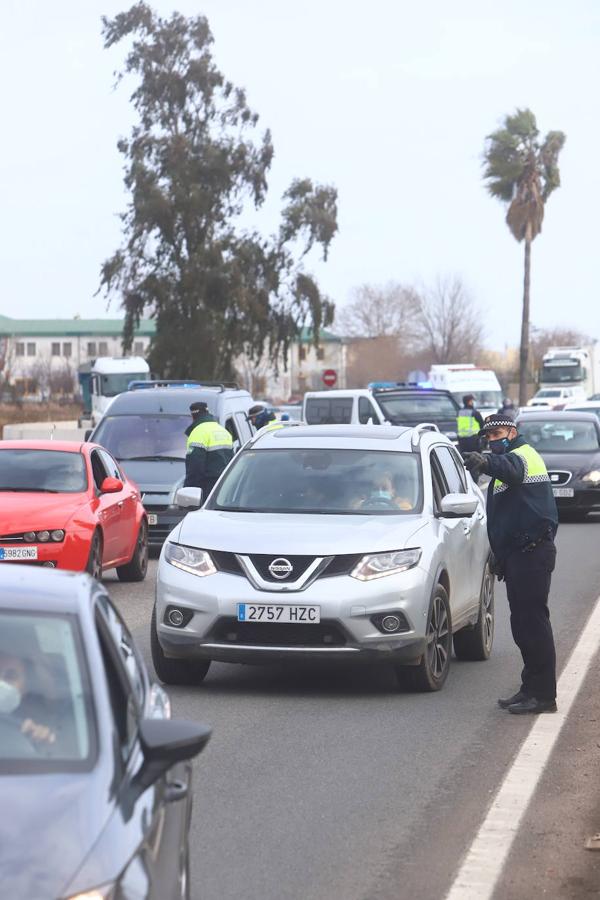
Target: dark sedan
x=569, y=443
x=94, y=775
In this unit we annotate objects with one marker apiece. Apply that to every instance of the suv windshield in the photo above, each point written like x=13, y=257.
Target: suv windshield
x=357, y=482
x=143, y=437
x=412, y=408
x=46, y=721
x=566, y=436
x=53, y=471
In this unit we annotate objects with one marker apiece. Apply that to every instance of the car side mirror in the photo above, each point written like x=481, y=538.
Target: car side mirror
x=111, y=485
x=88, y=434
x=455, y=506
x=166, y=742
x=189, y=497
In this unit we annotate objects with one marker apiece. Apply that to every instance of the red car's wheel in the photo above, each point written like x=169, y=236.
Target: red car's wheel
x=94, y=564
x=136, y=568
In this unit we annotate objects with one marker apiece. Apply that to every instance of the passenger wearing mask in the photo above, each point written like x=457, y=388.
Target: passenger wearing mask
x=209, y=449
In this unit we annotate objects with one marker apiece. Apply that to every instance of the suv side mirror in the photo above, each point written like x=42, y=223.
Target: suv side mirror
x=455, y=506
x=111, y=485
x=166, y=742
x=189, y=497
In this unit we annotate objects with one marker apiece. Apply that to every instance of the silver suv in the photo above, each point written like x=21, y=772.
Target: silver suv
x=330, y=542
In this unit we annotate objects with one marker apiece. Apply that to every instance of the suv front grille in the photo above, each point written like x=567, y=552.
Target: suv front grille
x=277, y=634
x=339, y=565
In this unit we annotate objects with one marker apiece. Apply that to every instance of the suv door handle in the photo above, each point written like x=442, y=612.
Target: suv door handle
x=174, y=791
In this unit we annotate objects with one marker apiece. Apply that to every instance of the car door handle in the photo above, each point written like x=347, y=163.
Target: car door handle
x=175, y=790
x=120, y=504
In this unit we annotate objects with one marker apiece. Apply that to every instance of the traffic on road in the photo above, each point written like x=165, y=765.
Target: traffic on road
x=339, y=571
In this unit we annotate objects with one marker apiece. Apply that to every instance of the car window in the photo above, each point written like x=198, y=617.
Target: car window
x=242, y=426
x=366, y=412
x=329, y=410
x=412, y=408
x=122, y=702
x=56, y=471
x=98, y=470
x=437, y=483
x=142, y=436
x=452, y=475
x=315, y=480
x=41, y=657
x=110, y=465
x=564, y=435
x=125, y=647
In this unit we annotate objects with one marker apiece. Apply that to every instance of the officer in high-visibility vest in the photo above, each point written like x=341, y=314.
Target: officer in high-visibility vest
x=522, y=523
x=209, y=449
x=469, y=422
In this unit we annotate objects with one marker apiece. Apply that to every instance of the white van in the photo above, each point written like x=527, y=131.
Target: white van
x=463, y=379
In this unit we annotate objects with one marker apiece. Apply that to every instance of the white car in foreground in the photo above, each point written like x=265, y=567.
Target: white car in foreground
x=330, y=542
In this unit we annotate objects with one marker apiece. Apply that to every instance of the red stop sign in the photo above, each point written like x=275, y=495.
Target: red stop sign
x=329, y=377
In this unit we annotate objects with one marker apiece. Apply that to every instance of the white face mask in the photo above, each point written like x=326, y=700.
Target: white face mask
x=10, y=697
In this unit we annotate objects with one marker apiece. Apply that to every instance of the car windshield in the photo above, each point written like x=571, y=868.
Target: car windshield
x=412, y=408
x=144, y=437
x=568, y=373
x=357, y=482
x=564, y=436
x=114, y=384
x=483, y=399
x=547, y=393
x=46, y=720
x=52, y=471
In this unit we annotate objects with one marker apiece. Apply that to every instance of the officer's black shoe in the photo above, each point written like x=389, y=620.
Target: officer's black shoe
x=531, y=706
x=516, y=698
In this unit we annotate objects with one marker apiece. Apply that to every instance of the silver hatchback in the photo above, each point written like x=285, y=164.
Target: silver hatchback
x=333, y=542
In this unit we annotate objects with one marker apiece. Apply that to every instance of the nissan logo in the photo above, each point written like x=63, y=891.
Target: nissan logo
x=280, y=568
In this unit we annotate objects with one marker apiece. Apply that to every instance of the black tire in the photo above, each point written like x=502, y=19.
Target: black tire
x=175, y=671
x=431, y=673
x=474, y=643
x=136, y=568
x=94, y=563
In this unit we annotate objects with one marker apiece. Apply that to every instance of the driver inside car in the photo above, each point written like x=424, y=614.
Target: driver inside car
x=17, y=699
x=384, y=492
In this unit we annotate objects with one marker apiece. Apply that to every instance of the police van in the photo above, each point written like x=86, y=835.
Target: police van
x=383, y=403
x=144, y=428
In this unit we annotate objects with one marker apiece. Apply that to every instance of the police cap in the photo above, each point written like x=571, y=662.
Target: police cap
x=199, y=408
x=497, y=420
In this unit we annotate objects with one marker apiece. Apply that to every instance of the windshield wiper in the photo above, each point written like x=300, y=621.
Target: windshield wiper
x=150, y=458
x=31, y=490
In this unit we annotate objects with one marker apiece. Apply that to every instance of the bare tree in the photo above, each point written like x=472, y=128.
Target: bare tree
x=380, y=311
x=449, y=323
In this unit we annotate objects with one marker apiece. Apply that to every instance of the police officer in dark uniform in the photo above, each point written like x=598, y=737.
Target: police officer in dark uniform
x=209, y=449
x=522, y=523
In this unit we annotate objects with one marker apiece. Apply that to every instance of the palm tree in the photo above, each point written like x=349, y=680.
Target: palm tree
x=522, y=171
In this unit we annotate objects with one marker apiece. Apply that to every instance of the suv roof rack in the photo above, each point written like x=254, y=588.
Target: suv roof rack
x=171, y=382
x=419, y=430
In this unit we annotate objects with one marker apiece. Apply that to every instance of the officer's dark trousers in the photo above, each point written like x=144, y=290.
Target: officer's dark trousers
x=528, y=575
x=207, y=484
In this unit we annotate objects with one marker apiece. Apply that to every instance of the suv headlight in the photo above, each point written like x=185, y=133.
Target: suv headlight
x=376, y=565
x=190, y=559
x=593, y=477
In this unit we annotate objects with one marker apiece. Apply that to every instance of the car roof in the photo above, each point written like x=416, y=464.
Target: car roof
x=558, y=416
x=37, y=588
x=174, y=401
x=354, y=437
x=68, y=446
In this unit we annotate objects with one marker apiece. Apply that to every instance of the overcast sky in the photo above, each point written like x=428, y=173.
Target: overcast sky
x=390, y=101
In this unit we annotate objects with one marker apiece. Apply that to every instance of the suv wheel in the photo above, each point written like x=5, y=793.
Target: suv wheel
x=175, y=671
x=432, y=671
x=475, y=641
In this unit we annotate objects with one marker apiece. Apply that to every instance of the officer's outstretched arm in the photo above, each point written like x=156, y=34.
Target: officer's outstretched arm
x=506, y=467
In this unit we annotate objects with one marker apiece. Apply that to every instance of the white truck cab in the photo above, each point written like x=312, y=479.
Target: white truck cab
x=111, y=375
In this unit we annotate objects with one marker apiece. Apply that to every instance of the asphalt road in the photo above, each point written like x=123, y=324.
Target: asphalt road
x=330, y=783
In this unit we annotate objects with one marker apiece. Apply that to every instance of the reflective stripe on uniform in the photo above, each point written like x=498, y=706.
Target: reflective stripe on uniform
x=466, y=423
x=272, y=426
x=209, y=436
x=535, y=468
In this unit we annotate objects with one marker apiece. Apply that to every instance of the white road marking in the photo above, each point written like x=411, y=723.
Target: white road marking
x=484, y=862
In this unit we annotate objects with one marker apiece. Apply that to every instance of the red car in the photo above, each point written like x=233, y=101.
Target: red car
x=68, y=505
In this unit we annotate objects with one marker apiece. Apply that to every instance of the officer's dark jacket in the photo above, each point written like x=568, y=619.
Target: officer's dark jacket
x=209, y=450
x=520, y=503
